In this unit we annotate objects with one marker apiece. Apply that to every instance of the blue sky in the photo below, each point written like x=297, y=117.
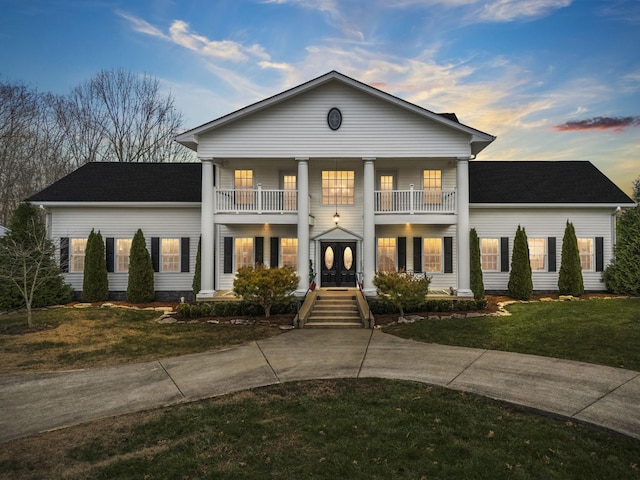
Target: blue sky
x=553, y=79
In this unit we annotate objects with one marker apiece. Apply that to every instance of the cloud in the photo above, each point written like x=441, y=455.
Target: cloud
x=511, y=10
x=599, y=123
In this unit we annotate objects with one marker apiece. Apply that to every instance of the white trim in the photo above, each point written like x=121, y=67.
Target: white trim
x=551, y=205
x=121, y=204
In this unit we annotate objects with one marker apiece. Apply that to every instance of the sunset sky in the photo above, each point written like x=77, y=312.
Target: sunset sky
x=553, y=79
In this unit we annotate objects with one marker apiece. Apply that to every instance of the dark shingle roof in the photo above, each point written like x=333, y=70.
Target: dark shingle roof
x=541, y=182
x=126, y=182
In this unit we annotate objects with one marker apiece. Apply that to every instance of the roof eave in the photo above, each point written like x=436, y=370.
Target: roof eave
x=128, y=204
x=552, y=205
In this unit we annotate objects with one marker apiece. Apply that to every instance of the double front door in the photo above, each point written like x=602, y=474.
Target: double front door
x=338, y=264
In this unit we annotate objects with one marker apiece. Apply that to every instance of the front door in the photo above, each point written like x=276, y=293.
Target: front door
x=338, y=264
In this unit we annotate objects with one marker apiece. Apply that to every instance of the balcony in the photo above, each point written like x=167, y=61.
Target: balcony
x=257, y=201
x=412, y=201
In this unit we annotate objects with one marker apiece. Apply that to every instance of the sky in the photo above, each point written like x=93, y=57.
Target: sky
x=552, y=79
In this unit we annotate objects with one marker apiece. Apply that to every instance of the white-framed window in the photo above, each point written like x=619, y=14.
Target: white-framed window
x=538, y=253
x=289, y=252
x=386, y=185
x=243, y=184
x=338, y=187
x=432, y=186
x=587, y=253
x=77, y=250
x=243, y=252
x=290, y=186
x=123, y=249
x=490, y=254
x=387, y=254
x=170, y=255
x=432, y=254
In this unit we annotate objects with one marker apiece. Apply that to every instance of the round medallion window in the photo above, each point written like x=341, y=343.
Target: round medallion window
x=334, y=118
x=347, y=258
x=328, y=258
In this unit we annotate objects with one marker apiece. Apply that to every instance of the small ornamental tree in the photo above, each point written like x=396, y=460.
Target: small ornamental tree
x=520, y=283
x=196, y=286
x=401, y=289
x=477, y=283
x=140, y=288
x=570, y=277
x=265, y=286
x=95, y=285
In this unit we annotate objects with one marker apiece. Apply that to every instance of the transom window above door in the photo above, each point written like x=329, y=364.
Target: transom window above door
x=338, y=187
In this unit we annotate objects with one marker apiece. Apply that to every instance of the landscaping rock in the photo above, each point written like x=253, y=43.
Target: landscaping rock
x=82, y=305
x=474, y=314
x=165, y=319
x=567, y=298
x=546, y=299
x=214, y=322
x=241, y=321
x=286, y=327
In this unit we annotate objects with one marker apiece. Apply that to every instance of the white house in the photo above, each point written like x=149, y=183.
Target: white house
x=343, y=175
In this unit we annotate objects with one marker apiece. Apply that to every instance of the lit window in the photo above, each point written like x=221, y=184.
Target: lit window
x=170, y=251
x=490, y=254
x=386, y=254
x=585, y=247
x=289, y=252
x=432, y=254
x=289, y=185
x=537, y=253
x=243, y=180
x=123, y=248
x=386, y=193
x=338, y=187
x=243, y=252
x=78, y=248
x=432, y=186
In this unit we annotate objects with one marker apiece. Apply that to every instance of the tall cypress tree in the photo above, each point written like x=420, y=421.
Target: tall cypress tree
x=570, y=278
x=520, y=282
x=140, y=288
x=197, y=275
x=477, y=283
x=95, y=284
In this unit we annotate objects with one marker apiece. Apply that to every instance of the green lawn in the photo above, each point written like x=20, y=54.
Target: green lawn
x=599, y=331
x=351, y=429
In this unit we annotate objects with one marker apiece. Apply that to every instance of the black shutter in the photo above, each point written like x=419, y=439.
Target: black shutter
x=155, y=253
x=111, y=257
x=448, y=254
x=185, y=254
x=259, y=250
x=64, y=254
x=275, y=252
x=504, y=254
x=417, y=254
x=402, y=253
x=228, y=255
x=599, y=254
x=551, y=246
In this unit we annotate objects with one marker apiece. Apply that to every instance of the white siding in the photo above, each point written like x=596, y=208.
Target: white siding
x=298, y=127
x=544, y=222
x=77, y=222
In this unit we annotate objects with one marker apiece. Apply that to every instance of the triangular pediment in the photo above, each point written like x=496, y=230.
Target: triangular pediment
x=337, y=234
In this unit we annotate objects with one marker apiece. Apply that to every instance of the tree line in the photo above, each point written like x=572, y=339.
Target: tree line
x=115, y=116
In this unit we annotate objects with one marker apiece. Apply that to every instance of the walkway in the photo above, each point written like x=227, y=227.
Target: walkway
x=604, y=396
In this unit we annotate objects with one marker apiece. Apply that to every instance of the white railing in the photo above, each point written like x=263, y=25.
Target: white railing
x=415, y=201
x=256, y=201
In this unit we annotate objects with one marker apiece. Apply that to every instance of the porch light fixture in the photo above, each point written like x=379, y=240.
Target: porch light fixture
x=336, y=217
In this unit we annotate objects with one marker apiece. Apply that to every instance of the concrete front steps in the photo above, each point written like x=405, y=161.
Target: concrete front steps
x=335, y=308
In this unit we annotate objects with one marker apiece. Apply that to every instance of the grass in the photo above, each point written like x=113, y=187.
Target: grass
x=91, y=337
x=605, y=332
x=357, y=429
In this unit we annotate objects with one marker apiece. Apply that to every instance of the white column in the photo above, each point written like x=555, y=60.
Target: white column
x=369, y=227
x=207, y=221
x=464, y=254
x=303, y=226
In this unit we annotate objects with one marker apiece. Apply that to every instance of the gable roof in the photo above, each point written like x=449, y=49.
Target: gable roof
x=542, y=182
x=126, y=182
x=479, y=139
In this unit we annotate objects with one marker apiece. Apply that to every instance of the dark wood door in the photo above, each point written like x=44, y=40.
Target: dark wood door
x=338, y=262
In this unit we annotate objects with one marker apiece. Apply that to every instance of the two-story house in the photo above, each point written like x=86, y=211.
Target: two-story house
x=342, y=178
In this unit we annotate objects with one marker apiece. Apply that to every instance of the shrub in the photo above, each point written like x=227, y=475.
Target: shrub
x=140, y=288
x=520, y=283
x=95, y=284
x=402, y=290
x=196, y=286
x=477, y=284
x=265, y=286
x=570, y=277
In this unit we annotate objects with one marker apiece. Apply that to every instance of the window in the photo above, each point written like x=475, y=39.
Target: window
x=289, y=252
x=243, y=252
x=386, y=193
x=170, y=254
x=387, y=254
x=432, y=254
x=243, y=180
x=432, y=186
x=338, y=187
x=123, y=247
x=289, y=185
x=490, y=254
x=585, y=247
x=78, y=248
x=537, y=253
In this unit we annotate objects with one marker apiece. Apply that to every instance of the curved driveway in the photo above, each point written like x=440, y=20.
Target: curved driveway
x=604, y=396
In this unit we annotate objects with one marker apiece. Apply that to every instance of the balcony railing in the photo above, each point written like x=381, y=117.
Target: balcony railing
x=414, y=201
x=256, y=201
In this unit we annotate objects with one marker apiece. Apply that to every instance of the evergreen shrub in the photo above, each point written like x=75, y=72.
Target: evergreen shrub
x=95, y=284
x=140, y=288
x=570, y=280
x=520, y=282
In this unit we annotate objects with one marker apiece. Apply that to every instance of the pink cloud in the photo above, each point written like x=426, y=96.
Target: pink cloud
x=599, y=123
